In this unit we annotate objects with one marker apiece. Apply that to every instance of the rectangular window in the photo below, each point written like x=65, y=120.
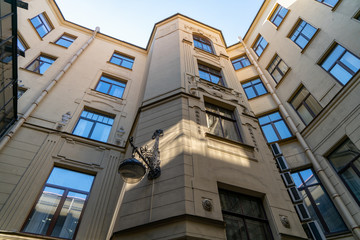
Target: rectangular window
x=318, y=202
x=65, y=40
x=21, y=46
x=41, y=64
x=277, y=68
x=278, y=16
x=302, y=34
x=346, y=161
x=254, y=88
x=244, y=216
x=341, y=64
x=111, y=86
x=305, y=105
x=241, y=62
x=20, y=92
x=94, y=126
x=221, y=122
x=260, y=45
x=274, y=127
x=210, y=74
x=121, y=60
x=58, y=210
x=330, y=3
x=42, y=24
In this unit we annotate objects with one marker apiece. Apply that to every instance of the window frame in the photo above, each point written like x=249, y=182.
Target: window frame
x=203, y=41
x=294, y=30
x=240, y=60
x=49, y=26
x=68, y=36
x=276, y=12
x=211, y=71
x=41, y=63
x=272, y=123
x=253, y=87
x=257, y=43
x=276, y=67
x=111, y=85
x=332, y=7
x=123, y=57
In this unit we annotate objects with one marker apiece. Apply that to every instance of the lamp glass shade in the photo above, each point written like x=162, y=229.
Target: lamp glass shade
x=132, y=170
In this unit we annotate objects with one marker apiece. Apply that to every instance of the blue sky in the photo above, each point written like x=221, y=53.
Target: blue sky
x=132, y=21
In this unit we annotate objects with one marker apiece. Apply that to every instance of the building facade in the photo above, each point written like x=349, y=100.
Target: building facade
x=260, y=139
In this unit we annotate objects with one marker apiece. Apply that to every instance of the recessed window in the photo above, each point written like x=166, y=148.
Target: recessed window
x=203, y=43
x=305, y=105
x=254, y=88
x=122, y=60
x=221, y=122
x=278, y=16
x=111, y=86
x=21, y=46
x=20, y=92
x=42, y=24
x=260, y=45
x=62, y=201
x=302, y=34
x=346, y=161
x=241, y=62
x=244, y=217
x=357, y=15
x=318, y=202
x=341, y=64
x=274, y=127
x=330, y=3
x=210, y=74
x=277, y=68
x=94, y=126
x=41, y=64
x=65, y=40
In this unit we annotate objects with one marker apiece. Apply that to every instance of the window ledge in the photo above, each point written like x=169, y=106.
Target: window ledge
x=130, y=69
x=210, y=135
x=243, y=68
x=113, y=98
x=206, y=52
x=31, y=71
x=52, y=43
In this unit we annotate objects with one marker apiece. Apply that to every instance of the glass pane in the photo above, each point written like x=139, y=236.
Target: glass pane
x=297, y=180
x=103, y=87
x=330, y=2
x=251, y=207
x=260, y=89
x=70, y=179
x=63, y=42
x=276, y=75
x=83, y=128
x=69, y=216
x=275, y=116
x=101, y=132
x=353, y=181
x=283, y=67
x=340, y=74
x=282, y=129
x=230, y=130
x=257, y=230
x=301, y=41
x=214, y=125
x=299, y=97
x=117, y=91
x=305, y=114
x=115, y=60
x=269, y=133
x=343, y=155
x=313, y=105
x=309, y=177
x=230, y=202
x=44, y=67
x=204, y=75
x=215, y=79
x=309, y=31
x=331, y=59
x=235, y=228
x=34, y=66
x=250, y=93
x=44, y=210
x=237, y=65
x=351, y=61
x=264, y=120
x=127, y=64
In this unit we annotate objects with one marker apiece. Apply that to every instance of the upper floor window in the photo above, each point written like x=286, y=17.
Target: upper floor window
x=254, y=88
x=203, y=43
x=330, y=3
x=21, y=45
x=221, y=122
x=346, y=161
x=210, y=74
x=94, y=126
x=65, y=40
x=62, y=201
x=305, y=105
x=260, y=45
x=42, y=24
x=41, y=64
x=111, y=86
x=241, y=62
x=277, y=68
x=122, y=60
x=318, y=202
x=274, y=127
x=341, y=64
x=278, y=16
x=244, y=216
x=302, y=34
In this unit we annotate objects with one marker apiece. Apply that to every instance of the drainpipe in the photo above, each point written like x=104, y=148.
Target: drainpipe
x=33, y=106
x=316, y=165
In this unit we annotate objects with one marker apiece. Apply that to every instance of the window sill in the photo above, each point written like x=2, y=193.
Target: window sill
x=31, y=71
x=95, y=92
x=130, y=69
x=52, y=43
x=243, y=68
x=210, y=135
x=205, y=52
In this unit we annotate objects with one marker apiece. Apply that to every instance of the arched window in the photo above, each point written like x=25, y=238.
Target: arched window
x=203, y=43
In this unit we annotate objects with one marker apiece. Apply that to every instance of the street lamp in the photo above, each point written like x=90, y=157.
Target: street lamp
x=132, y=170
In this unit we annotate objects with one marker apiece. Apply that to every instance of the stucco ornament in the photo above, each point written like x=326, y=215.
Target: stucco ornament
x=285, y=221
x=207, y=204
x=64, y=120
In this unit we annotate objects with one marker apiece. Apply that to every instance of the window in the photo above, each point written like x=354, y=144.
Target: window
x=94, y=126
x=318, y=202
x=65, y=40
x=244, y=217
x=210, y=74
x=41, y=64
x=203, y=43
x=58, y=210
x=20, y=92
x=346, y=162
x=357, y=15
x=121, y=60
x=330, y=3
x=111, y=86
x=277, y=68
x=241, y=62
x=278, y=16
x=274, y=127
x=303, y=34
x=254, y=88
x=221, y=122
x=21, y=46
x=41, y=24
x=305, y=105
x=260, y=45
x=341, y=64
